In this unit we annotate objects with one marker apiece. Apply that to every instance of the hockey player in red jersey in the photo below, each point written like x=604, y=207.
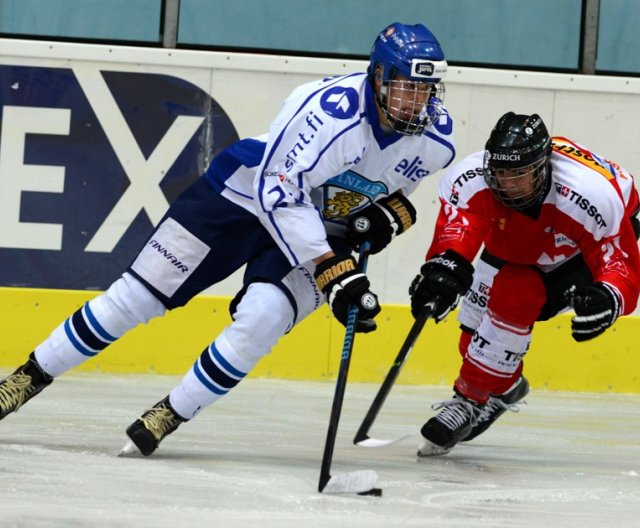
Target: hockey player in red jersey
x=559, y=229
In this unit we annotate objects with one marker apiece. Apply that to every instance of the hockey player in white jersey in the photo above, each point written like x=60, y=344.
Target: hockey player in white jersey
x=559, y=227
x=335, y=169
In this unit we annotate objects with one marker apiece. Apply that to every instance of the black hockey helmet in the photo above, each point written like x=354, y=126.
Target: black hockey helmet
x=516, y=160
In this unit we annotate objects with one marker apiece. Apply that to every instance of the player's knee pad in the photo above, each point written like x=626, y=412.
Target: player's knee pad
x=124, y=305
x=517, y=295
x=261, y=318
x=493, y=358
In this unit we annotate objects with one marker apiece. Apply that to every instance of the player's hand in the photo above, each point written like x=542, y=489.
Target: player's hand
x=343, y=286
x=596, y=307
x=441, y=282
x=380, y=222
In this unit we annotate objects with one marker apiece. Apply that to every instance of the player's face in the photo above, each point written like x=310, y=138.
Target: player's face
x=517, y=183
x=407, y=99
x=404, y=102
x=519, y=188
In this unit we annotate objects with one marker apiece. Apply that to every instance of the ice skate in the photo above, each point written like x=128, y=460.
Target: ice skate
x=497, y=406
x=19, y=387
x=453, y=423
x=151, y=428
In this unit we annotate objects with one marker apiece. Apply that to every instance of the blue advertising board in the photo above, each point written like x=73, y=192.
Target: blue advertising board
x=89, y=161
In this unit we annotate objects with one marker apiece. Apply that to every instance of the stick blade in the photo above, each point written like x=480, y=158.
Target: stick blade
x=376, y=442
x=362, y=481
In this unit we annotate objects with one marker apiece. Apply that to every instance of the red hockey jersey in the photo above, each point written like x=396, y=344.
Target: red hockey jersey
x=587, y=210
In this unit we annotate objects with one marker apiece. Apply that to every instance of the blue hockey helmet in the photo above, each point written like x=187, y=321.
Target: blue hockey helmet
x=412, y=53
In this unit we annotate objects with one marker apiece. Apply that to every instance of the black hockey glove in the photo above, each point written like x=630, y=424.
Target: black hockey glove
x=379, y=222
x=596, y=307
x=343, y=285
x=441, y=282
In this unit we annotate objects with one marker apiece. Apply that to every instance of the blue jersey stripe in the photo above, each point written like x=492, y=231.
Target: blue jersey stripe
x=205, y=381
x=78, y=324
x=224, y=363
x=275, y=226
x=278, y=140
x=333, y=139
x=445, y=143
x=274, y=148
x=96, y=325
x=247, y=153
x=74, y=341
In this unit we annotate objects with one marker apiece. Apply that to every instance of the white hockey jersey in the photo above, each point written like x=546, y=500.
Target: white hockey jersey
x=325, y=157
x=586, y=210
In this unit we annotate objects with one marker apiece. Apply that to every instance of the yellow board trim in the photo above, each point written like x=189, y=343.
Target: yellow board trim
x=169, y=345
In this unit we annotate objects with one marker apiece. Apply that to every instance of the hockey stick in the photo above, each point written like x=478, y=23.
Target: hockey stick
x=361, y=482
x=362, y=436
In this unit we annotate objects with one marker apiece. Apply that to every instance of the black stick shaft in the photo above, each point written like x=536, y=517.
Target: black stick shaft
x=341, y=383
x=336, y=409
x=392, y=375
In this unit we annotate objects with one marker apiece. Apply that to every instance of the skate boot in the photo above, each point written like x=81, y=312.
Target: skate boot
x=19, y=387
x=453, y=423
x=153, y=426
x=497, y=406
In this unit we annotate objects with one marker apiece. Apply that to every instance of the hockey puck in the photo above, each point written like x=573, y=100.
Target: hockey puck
x=375, y=492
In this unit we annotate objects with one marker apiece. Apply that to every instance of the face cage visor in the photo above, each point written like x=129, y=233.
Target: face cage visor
x=411, y=106
x=518, y=188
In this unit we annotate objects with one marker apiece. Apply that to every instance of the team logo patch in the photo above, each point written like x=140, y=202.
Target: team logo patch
x=340, y=102
x=347, y=193
x=341, y=204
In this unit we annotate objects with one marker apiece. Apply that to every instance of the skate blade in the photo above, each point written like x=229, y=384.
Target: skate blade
x=428, y=449
x=130, y=449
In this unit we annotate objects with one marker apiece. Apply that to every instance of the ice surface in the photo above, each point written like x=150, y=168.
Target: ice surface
x=253, y=460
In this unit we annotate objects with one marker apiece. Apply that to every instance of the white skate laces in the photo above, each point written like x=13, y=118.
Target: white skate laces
x=456, y=413
x=15, y=391
x=158, y=421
